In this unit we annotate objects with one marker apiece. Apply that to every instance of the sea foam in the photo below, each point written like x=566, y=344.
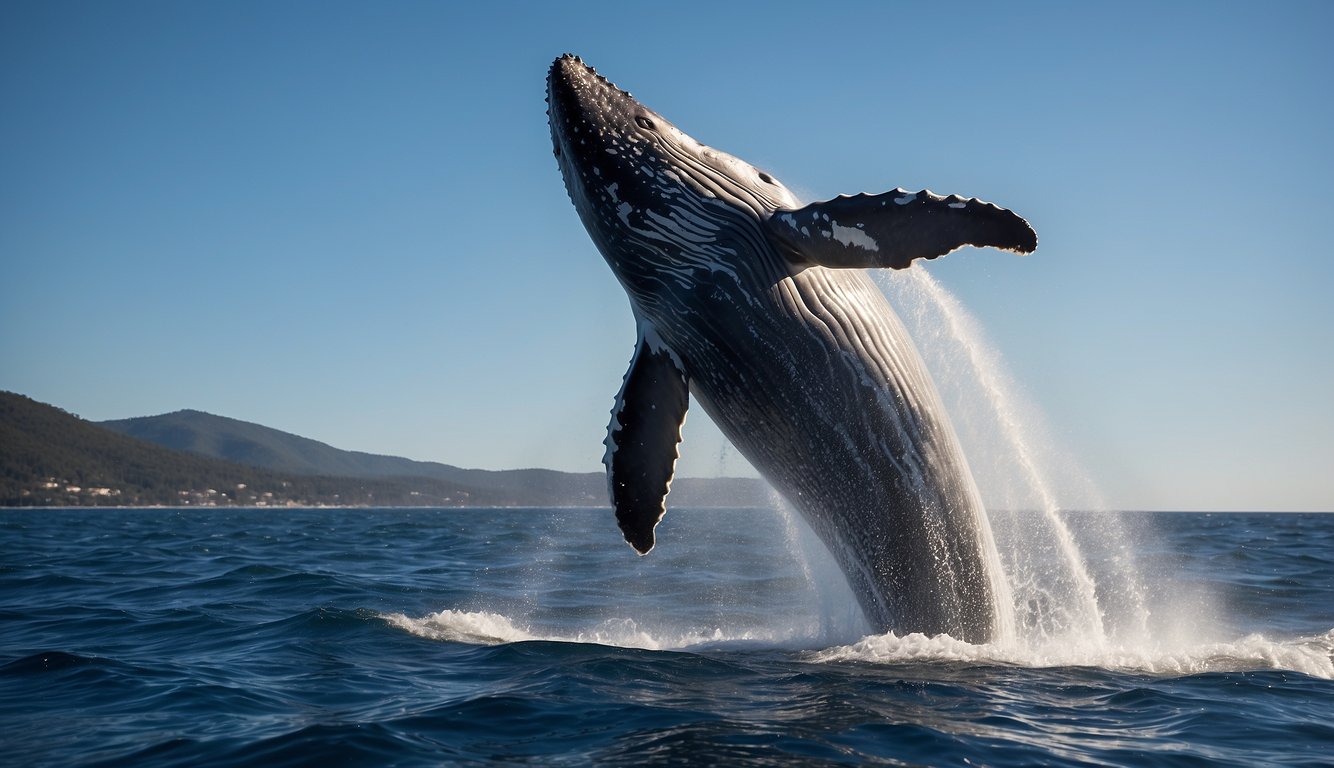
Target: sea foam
x=487, y=628
x=1312, y=656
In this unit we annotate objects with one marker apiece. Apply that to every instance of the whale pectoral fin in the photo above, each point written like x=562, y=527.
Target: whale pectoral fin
x=641, y=442
x=893, y=228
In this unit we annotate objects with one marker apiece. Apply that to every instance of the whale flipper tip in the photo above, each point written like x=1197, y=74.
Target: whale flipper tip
x=642, y=441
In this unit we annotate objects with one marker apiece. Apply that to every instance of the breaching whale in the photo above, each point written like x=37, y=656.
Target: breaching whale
x=759, y=308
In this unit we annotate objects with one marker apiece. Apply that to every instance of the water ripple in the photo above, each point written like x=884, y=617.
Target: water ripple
x=418, y=637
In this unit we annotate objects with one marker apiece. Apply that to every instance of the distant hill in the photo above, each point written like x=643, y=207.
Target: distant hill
x=245, y=443
x=48, y=456
x=242, y=442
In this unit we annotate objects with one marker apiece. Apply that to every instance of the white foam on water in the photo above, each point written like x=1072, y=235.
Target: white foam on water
x=1312, y=656
x=486, y=628
x=473, y=627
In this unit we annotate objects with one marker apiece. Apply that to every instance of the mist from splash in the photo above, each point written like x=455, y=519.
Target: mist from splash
x=1067, y=559
x=1077, y=591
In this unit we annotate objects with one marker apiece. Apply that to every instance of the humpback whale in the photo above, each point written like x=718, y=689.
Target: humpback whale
x=759, y=308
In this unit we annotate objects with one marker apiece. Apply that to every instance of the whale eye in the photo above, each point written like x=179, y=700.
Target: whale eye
x=644, y=123
x=766, y=178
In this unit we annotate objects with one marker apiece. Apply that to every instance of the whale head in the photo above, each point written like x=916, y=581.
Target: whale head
x=650, y=195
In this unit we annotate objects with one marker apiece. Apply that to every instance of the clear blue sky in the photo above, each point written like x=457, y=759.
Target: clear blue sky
x=344, y=221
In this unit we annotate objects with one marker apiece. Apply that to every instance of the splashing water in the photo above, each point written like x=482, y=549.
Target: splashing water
x=1060, y=598
x=487, y=628
x=1069, y=565
x=1311, y=656
x=840, y=615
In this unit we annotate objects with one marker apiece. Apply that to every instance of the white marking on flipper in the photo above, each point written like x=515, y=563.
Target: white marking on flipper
x=649, y=335
x=854, y=238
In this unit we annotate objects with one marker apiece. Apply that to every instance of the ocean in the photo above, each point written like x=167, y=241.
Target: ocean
x=242, y=637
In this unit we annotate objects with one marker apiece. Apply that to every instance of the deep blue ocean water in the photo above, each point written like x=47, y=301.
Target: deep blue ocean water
x=220, y=637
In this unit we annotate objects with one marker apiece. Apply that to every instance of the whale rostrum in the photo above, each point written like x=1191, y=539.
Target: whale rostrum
x=760, y=310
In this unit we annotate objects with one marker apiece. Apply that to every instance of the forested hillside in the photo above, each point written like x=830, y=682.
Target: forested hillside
x=50, y=457
x=189, y=458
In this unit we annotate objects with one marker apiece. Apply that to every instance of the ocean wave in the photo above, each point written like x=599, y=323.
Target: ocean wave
x=1312, y=656
x=487, y=628
x=473, y=627
x=47, y=661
